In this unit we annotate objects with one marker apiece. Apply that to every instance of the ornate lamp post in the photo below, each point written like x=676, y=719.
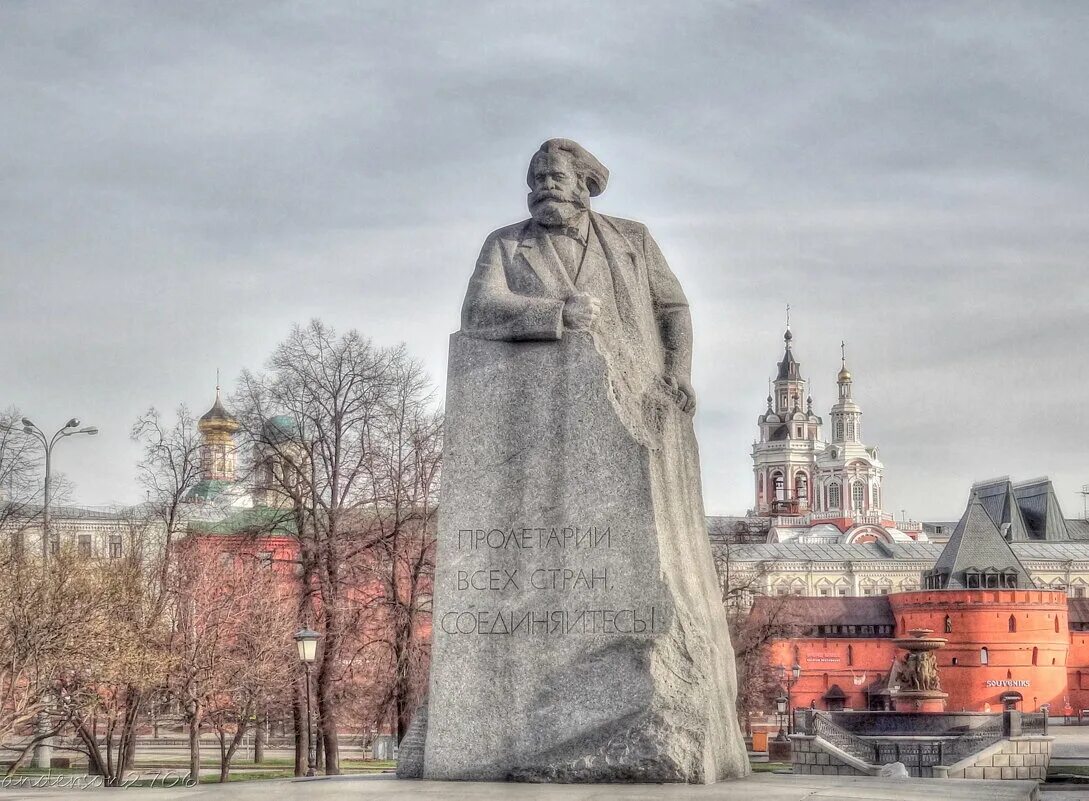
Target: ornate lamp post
x=306, y=640
x=789, y=678
x=781, y=708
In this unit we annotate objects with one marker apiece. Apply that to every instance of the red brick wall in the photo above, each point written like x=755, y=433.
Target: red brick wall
x=978, y=619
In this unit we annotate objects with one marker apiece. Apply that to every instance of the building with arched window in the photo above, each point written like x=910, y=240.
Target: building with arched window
x=810, y=489
x=1010, y=643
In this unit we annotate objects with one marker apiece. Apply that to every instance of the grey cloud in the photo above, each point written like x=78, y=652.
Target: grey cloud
x=181, y=182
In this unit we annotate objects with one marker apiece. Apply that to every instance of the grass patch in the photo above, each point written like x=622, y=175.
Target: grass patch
x=247, y=776
x=768, y=767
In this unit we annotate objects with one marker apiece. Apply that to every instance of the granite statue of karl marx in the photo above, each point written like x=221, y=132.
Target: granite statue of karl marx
x=569, y=403
x=569, y=268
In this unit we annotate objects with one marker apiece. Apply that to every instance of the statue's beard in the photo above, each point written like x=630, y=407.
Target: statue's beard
x=551, y=208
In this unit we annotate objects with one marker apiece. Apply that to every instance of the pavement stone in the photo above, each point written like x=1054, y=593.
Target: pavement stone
x=766, y=787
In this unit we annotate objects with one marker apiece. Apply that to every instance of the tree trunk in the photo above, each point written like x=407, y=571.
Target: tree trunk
x=327, y=717
x=239, y=733
x=260, y=735
x=298, y=714
x=194, y=743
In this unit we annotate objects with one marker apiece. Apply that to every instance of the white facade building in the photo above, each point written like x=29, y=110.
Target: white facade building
x=815, y=490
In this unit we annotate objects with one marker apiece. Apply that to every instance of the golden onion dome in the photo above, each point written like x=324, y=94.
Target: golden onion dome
x=217, y=419
x=844, y=375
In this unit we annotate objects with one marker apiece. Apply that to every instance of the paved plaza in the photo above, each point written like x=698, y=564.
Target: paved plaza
x=764, y=787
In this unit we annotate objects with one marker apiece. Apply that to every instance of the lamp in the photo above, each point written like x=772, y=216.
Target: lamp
x=306, y=640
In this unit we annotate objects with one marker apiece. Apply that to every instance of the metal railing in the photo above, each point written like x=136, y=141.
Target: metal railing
x=1034, y=723
x=818, y=725
x=918, y=754
x=973, y=741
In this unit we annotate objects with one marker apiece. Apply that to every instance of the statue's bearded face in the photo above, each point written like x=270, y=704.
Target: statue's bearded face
x=559, y=194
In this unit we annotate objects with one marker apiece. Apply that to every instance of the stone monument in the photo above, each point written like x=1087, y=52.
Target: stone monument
x=579, y=634
x=914, y=681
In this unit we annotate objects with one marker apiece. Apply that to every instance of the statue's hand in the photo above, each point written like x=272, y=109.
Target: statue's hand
x=682, y=386
x=581, y=311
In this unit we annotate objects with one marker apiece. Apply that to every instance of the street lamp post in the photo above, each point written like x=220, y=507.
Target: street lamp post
x=306, y=640
x=789, y=678
x=71, y=428
x=43, y=751
x=781, y=708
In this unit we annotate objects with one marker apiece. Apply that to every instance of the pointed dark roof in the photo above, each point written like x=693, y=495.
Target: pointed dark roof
x=789, y=367
x=1001, y=504
x=1040, y=510
x=977, y=545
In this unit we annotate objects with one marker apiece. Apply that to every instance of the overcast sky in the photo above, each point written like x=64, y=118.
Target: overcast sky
x=180, y=182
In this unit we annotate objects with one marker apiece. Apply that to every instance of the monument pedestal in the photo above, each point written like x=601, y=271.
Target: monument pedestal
x=920, y=701
x=579, y=633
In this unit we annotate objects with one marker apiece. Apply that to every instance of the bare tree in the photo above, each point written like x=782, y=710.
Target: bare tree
x=405, y=455
x=130, y=663
x=307, y=419
x=344, y=435
x=756, y=620
x=233, y=654
x=20, y=480
x=52, y=626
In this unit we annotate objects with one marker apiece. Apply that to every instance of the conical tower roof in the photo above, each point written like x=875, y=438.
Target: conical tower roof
x=789, y=367
x=977, y=547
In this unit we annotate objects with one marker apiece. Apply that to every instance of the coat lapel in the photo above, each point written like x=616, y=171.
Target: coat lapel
x=542, y=260
x=623, y=264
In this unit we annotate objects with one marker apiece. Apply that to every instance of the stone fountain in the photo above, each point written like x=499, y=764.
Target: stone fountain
x=915, y=685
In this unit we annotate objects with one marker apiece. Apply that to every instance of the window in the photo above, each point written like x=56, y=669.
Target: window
x=801, y=485
x=824, y=592
x=1035, y=655
x=948, y=625
x=264, y=558
x=850, y=655
x=875, y=493
x=850, y=429
x=954, y=660
x=1079, y=592
x=984, y=657
x=115, y=546
x=1056, y=624
x=780, y=489
x=938, y=529
x=1013, y=624
x=839, y=430
x=858, y=495
x=226, y=559
x=84, y=544
x=842, y=591
x=834, y=500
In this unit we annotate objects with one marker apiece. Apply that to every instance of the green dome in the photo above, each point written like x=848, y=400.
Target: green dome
x=281, y=427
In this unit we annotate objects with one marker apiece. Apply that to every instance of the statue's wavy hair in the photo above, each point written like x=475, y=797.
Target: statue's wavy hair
x=590, y=170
